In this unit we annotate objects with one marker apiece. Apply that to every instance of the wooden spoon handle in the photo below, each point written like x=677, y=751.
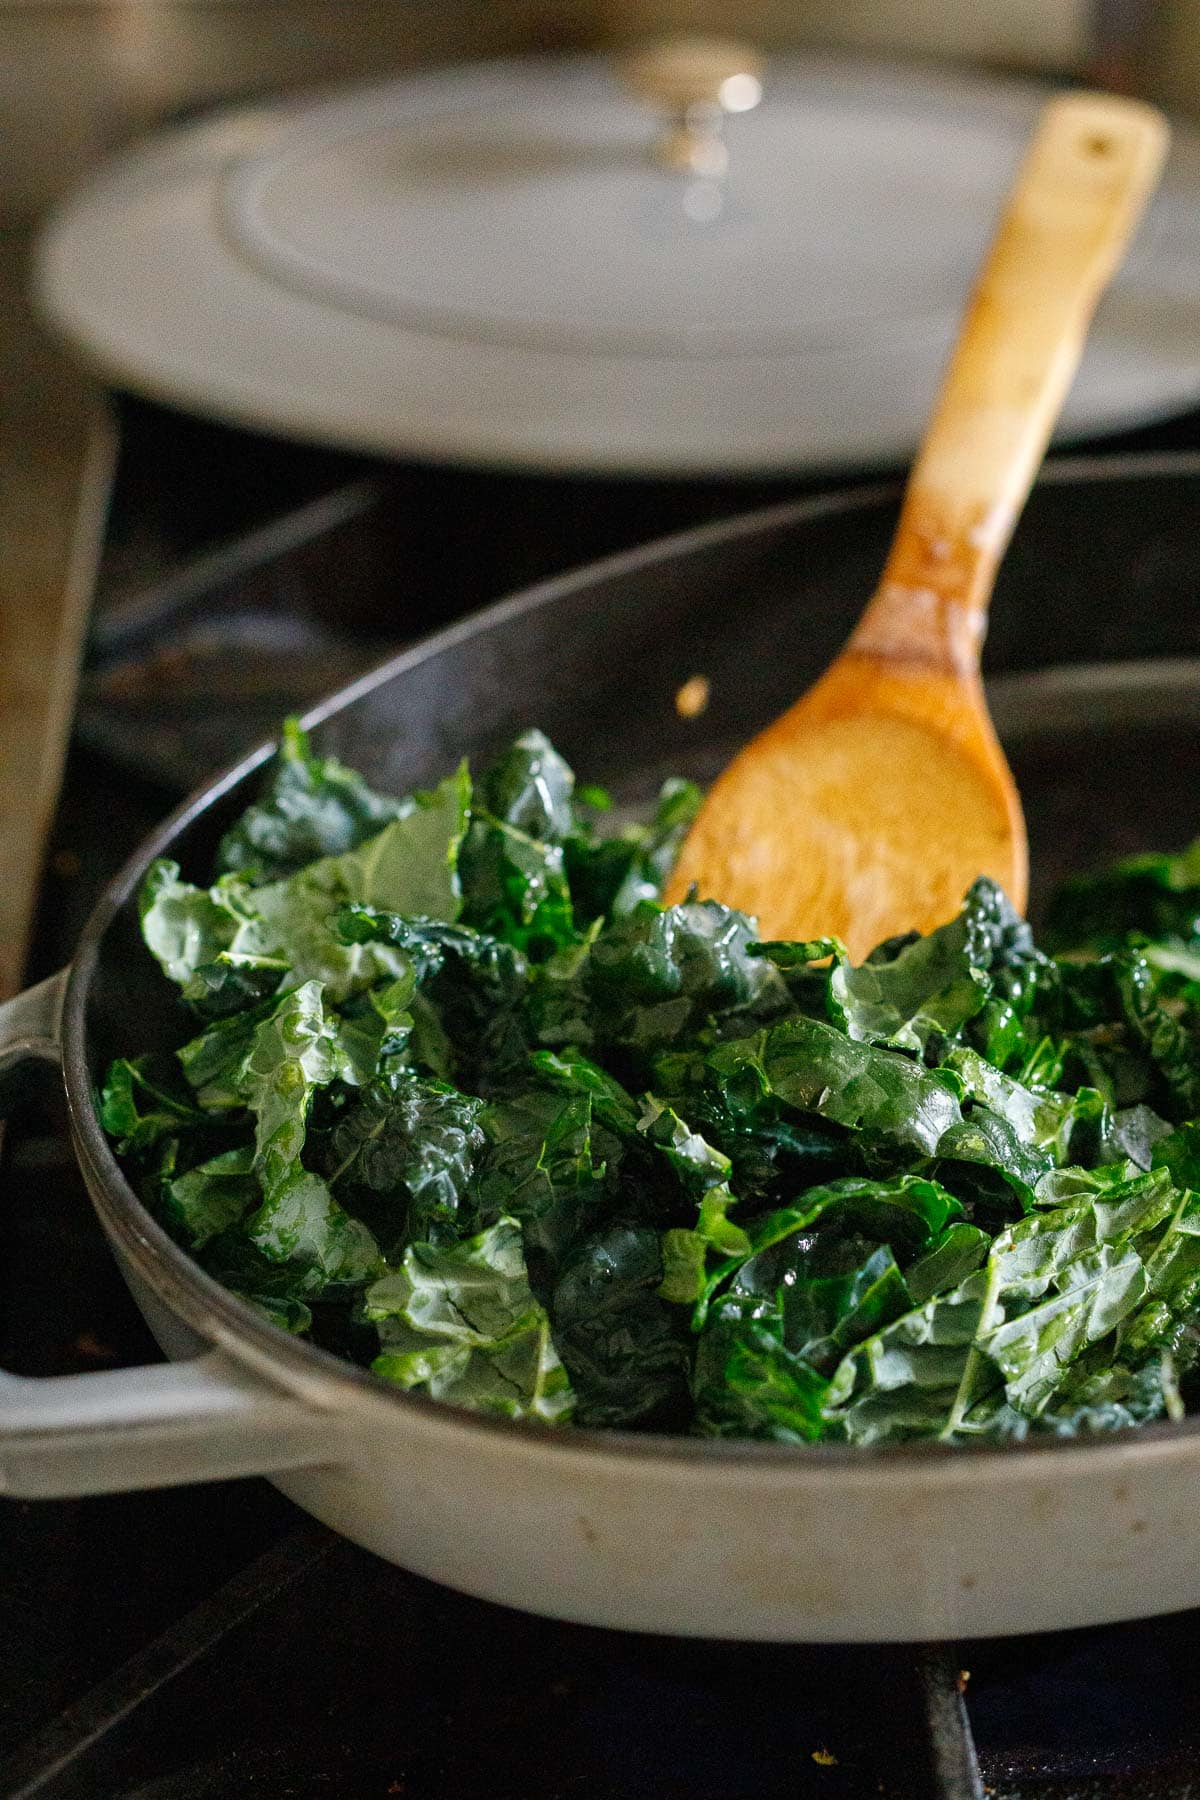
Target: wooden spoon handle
x=1087, y=174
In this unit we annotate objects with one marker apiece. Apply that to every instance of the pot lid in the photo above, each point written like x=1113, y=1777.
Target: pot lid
x=515, y=263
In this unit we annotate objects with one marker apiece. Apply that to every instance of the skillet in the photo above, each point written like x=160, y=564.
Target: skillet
x=1095, y=680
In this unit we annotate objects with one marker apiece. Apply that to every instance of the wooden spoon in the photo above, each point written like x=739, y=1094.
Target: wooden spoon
x=873, y=803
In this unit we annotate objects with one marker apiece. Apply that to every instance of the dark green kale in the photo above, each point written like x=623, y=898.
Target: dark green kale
x=212, y=1197
x=312, y=806
x=232, y=983
x=814, y=1068
x=415, y=1142
x=456, y=1096
x=472, y=992
x=298, y=1221
x=1154, y=897
x=141, y=1104
x=624, y=1347
x=747, y=1383
x=658, y=977
x=513, y=866
x=610, y=876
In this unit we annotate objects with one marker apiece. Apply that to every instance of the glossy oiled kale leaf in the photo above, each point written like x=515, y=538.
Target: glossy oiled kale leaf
x=655, y=978
x=299, y=1222
x=747, y=1383
x=907, y=1213
x=213, y=1196
x=611, y=876
x=513, y=868
x=462, y=1324
x=624, y=1346
x=415, y=1144
x=312, y=806
x=139, y=1105
x=550, y=1166
x=468, y=1017
x=812, y=1067
x=231, y=983
x=289, y=925
x=573, y=1073
x=906, y=993
x=457, y=1096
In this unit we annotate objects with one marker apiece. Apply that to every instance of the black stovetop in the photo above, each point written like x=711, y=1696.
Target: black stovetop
x=213, y=1641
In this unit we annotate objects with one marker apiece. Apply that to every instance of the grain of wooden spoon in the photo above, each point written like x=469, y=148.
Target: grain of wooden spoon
x=871, y=805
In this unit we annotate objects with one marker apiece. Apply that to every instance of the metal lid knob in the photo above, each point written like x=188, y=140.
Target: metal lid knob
x=697, y=81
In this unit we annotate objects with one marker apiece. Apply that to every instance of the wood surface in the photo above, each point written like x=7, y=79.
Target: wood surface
x=56, y=455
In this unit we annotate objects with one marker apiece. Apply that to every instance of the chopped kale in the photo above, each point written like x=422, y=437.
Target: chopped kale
x=456, y=1095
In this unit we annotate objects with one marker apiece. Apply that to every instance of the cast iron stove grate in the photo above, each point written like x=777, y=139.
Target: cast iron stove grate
x=270, y=573
x=319, y=1670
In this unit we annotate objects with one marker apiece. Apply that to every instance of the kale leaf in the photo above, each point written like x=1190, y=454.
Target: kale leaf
x=410, y=867
x=462, y=1324
x=622, y=1343
x=813, y=1067
x=925, y=986
x=311, y=806
x=417, y=1143
x=212, y=1197
x=138, y=1106
x=299, y=1221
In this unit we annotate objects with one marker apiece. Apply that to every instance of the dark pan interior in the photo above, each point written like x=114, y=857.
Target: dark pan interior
x=1102, y=571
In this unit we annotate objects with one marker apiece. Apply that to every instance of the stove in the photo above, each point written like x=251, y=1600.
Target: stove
x=213, y=1641
x=273, y=573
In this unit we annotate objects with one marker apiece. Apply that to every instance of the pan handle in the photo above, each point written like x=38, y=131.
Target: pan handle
x=29, y=1028
x=207, y=1419
x=159, y=1426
